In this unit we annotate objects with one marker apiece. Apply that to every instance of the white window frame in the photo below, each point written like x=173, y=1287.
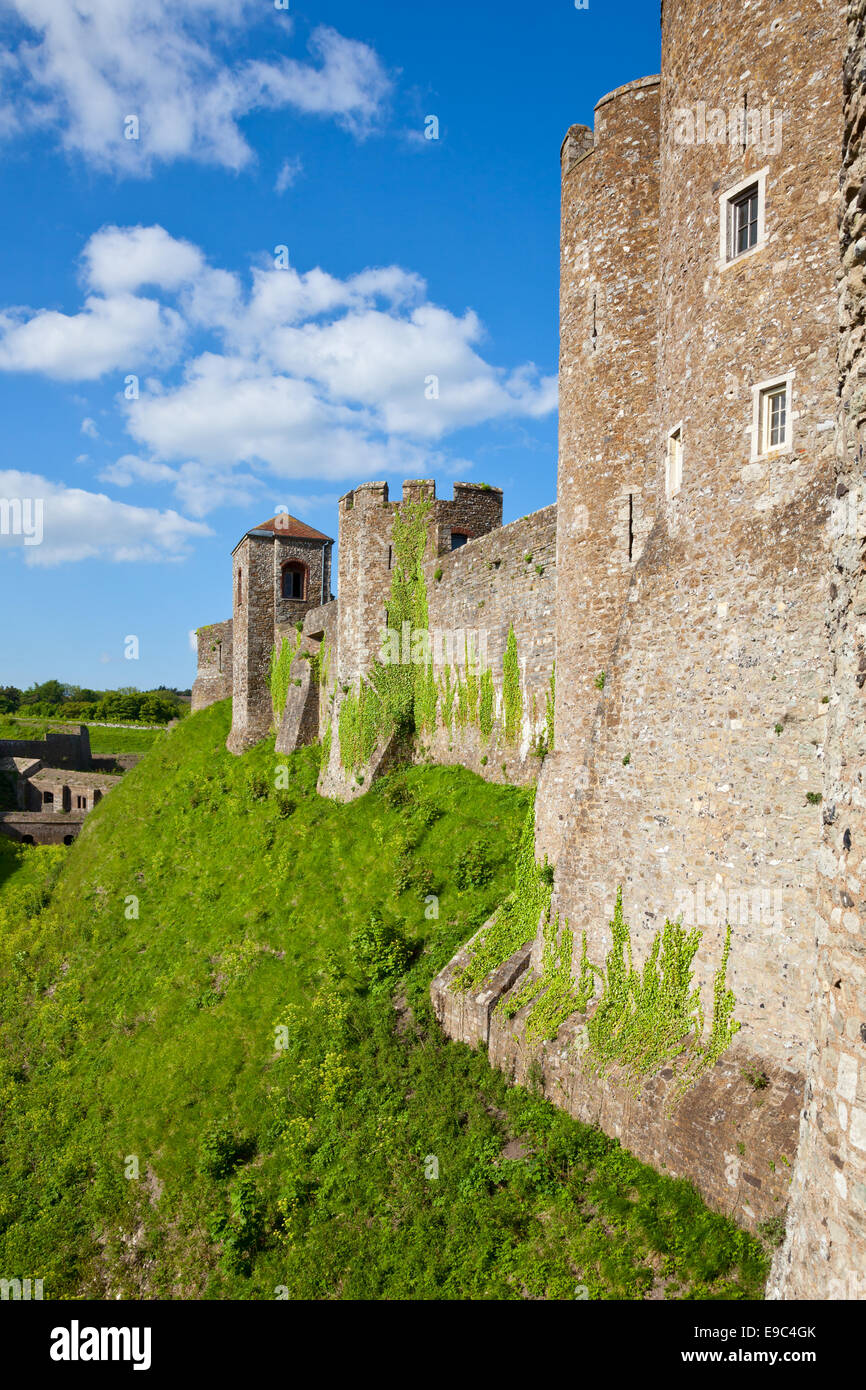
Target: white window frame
x=761, y=393
x=674, y=475
x=725, y=209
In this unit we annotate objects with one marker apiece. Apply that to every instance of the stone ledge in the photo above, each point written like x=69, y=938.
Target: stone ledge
x=466, y=1017
x=726, y=1138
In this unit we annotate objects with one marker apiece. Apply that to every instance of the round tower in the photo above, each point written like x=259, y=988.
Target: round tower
x=608, y=271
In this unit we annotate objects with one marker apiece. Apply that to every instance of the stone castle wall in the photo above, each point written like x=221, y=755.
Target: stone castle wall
x=823, y=1255
x=252, y=642
x=707, y=755
x=214, y=675
x=68, y=747
x=504, y=580
x=608, y=269
x=709, y=731
x=693, y=778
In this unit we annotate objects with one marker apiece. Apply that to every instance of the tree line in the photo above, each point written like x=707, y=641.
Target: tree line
x=55, y=700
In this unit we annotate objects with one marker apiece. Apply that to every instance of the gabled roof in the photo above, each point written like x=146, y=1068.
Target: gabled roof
x=288, y=526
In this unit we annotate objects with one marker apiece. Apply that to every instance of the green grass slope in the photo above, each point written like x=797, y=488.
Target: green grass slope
x=220, y=1076
x=103, y=737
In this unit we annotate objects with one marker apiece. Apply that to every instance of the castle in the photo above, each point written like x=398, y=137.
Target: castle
x=677, y=649
x=55, y=782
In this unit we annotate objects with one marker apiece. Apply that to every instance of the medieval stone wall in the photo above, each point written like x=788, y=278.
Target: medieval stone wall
x=252, y=642
x=214, y=675
x=315, y=556
x=823, y=1255
x=503, y=580
x=67, y=747
x=608, y=272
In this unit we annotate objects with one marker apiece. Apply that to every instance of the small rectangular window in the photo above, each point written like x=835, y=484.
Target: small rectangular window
x=742, y=216
x=777, y=411
x=773, y=417
x=744, y=222
x=774, y=413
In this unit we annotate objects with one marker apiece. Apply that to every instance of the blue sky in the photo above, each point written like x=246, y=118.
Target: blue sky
x=149, y=265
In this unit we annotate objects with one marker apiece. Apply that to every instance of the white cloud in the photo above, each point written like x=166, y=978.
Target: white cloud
x=79, y=525
x=290, y=171
x=84, y=66
x=88, y=427
x=303, y=376
x=120, y=260
x=107, y=335
x=200, y=487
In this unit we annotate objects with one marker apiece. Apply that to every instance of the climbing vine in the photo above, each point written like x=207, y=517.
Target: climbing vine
x=516, y=920
x=644, y=1020
x=359, y=725
x=512, y=699
x=280, y=677
x=398, y=696
x=485, y=704
x=650, y=1018
x=550, y=705
x=559, y=996
x=448, y=692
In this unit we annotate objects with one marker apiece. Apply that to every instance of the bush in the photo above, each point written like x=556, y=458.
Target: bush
x=473, y=867
x=257, y=786
x=379, y=950
x=396, y=793
x=220, y=1152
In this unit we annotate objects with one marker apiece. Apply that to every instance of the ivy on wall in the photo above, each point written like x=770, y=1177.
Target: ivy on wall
x=644, y=1020
x=397, y=697
x=516, y=921
x=651, y=1018
x=550, y=706
x=512, y=698
x=485, y=704
x=280, y=674
x=410, y=697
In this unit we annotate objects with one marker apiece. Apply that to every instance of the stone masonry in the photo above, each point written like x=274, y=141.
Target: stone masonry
x=700, y=586
x=824, y=1255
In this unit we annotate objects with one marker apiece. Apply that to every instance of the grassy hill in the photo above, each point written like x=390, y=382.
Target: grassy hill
x=104, y=738
x=220, y=1076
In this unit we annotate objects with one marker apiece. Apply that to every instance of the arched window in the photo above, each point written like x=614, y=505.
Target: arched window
x=294, y=580
x=458, y=538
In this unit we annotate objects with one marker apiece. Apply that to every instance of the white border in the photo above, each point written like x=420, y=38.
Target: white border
x=758, y=392
x=760, y=178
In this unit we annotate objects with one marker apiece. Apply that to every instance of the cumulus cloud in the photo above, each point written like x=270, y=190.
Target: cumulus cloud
x=78, y=525
x=301, y=375
x=106, y=334
x=120, y=260
x=84, y=66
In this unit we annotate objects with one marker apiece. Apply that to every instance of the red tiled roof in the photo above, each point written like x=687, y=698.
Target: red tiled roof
x=285, y=525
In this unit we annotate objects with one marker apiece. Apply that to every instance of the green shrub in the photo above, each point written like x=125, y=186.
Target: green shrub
x=472, y=867
x=220, y=1152
x=379, y=949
